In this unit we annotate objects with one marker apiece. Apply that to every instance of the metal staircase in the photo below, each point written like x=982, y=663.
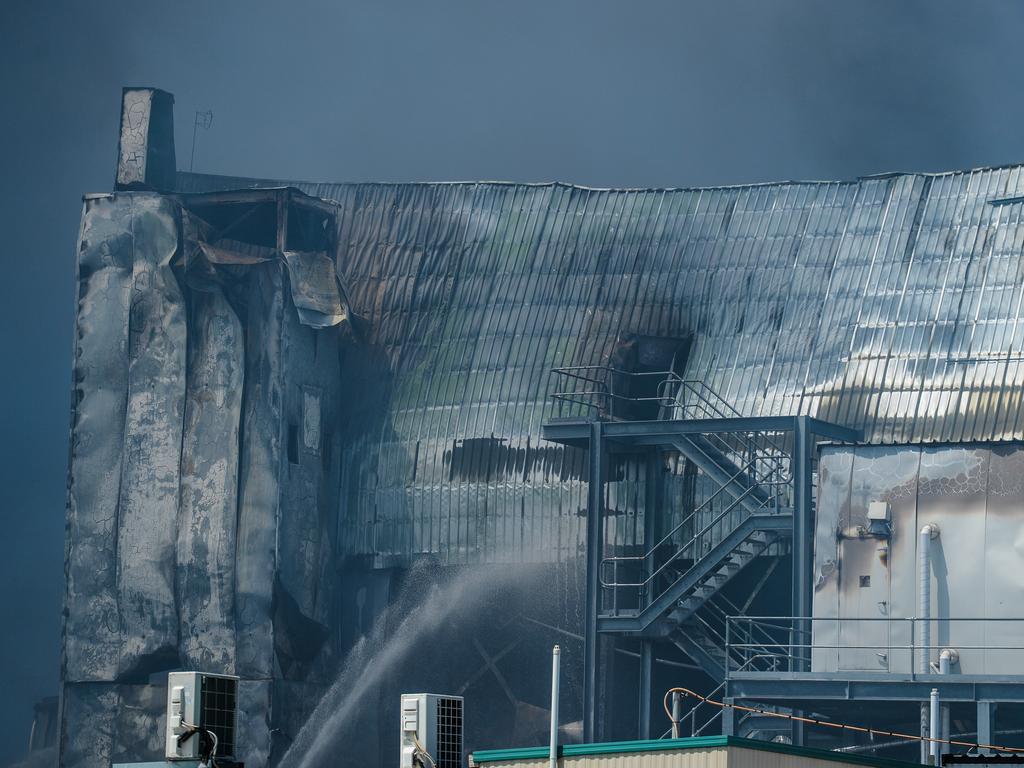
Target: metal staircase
x=747, y=512
x=754, y=504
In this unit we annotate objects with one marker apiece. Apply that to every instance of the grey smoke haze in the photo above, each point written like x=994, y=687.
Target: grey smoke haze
x=600, y=92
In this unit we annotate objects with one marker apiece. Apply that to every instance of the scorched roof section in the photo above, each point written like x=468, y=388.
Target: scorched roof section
x=890, y=303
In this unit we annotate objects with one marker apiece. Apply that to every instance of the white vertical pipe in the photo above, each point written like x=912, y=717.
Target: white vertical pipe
x=556, y=654
x=936, y=718
x=677, y=714
x=924, y=595
x=924, y=609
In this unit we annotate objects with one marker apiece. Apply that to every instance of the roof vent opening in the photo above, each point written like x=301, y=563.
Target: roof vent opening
x=643, y=365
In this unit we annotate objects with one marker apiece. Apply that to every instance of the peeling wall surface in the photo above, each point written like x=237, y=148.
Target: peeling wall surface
x=254, y=423
x=975, y=495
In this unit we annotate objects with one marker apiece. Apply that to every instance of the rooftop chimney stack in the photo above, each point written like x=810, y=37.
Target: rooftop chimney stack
x=145, y=157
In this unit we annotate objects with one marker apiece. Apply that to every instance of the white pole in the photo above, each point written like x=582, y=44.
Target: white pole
x=936, y=721
x=556, y=654
x=946, y=660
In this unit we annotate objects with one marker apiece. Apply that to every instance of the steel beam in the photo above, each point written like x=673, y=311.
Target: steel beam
x=577, y=432
x=803, y=540
x=835, y=432
x=595, y=551
x=624, y=430
x=656, y=432
x=839, y=686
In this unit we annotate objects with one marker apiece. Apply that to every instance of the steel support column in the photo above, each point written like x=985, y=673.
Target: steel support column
x=646, y=664
x=595, y=551
x=803, y=540
x=796, y=732
x=652, y=513
x=986, y=723
x=728, y=717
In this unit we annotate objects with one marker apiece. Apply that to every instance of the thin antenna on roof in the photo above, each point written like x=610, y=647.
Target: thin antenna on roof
x=203, y=120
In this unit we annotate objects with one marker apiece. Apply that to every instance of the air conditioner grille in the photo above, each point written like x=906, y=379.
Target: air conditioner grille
x=217, y=711
x=449, y=733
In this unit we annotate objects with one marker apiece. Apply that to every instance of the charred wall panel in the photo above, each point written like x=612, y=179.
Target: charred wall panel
x=193, y=541
x=209, y=484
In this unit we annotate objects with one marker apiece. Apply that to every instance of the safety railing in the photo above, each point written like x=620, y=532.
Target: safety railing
x=698, y=536
x=605, y=392
x=881, y=644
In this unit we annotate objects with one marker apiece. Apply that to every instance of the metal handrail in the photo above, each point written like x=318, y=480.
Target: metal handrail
x=667, y=538
x=756, y=483
x=724, y=617
x=669, y=386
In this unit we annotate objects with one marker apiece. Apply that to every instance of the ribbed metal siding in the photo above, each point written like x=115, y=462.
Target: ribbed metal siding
x=720, y=757
x=891, y=304
x=755, y=758
x=677, y=758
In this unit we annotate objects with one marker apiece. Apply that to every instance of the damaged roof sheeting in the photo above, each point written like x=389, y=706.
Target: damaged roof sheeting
x=177, y=555
x=890, y=304
x=316, y=290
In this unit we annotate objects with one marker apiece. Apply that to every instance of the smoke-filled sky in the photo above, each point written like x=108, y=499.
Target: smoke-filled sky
x=600, y=92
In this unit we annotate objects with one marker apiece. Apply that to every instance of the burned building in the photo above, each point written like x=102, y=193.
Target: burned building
x=288, y=394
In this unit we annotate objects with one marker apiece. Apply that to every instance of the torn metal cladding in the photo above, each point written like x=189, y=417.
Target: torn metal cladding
x=179, y=554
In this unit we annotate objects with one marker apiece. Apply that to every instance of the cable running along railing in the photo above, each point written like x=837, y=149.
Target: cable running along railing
x=691, y=715
x=869, y=731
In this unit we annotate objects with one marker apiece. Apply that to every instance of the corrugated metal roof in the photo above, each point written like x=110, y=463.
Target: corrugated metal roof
x=892, y=304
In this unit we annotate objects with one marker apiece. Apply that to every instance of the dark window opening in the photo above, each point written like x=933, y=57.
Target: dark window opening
x=309, y=229
x=865, y=581
x=326, y=451
x=293, y=444
x=642, y=389
x=253, y=223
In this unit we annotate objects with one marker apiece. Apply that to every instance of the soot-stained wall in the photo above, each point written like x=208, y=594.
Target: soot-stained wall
x=202, y=408
x=204, y=534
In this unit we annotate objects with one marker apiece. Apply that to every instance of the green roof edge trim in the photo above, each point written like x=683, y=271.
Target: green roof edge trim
x=661, y=745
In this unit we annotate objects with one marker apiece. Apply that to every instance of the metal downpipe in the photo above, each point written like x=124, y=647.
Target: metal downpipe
x=924, y=610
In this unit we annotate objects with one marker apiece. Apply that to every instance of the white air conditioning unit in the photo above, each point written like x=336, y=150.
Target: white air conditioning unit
x=202, y=712
x=431, y=724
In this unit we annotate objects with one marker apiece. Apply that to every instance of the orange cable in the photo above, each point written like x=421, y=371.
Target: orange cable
x=827, y=724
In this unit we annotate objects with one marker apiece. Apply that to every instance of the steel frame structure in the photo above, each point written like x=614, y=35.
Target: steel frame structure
x=602, y=438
